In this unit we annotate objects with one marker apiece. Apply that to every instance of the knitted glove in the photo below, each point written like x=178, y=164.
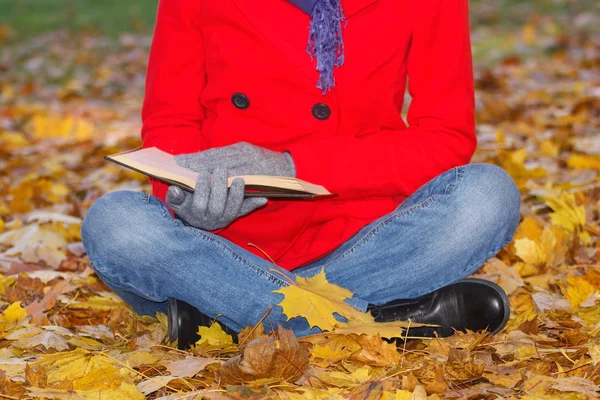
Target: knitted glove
x=240, y=159
x=212, y=206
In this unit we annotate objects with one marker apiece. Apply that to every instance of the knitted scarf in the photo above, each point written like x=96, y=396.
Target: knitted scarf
x=325, y=42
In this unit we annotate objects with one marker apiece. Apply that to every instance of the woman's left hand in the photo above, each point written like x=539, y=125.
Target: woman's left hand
x=240, y=159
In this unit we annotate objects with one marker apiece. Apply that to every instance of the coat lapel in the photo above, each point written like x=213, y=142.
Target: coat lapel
x=286, y=26
x=283, y=24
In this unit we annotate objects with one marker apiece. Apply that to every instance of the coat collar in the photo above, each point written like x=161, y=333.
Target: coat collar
x=350, y=6
x=271, y=21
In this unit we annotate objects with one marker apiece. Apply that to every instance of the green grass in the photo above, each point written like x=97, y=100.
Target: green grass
x=28, y=18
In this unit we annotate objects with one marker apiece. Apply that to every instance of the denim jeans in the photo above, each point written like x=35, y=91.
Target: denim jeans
x=441, y=233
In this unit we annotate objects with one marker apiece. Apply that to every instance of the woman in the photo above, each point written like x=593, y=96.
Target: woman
x=231, y=87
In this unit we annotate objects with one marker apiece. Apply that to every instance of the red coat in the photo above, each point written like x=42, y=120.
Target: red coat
x=205, y=52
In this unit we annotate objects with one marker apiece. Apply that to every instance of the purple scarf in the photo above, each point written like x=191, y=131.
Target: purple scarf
x=325, y=38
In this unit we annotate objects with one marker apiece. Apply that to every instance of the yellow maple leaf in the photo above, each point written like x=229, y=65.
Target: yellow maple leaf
x=541, y=251
x=524, y=308
x=76, y=365
x=568, y=215
x=343, y=379
x=215, y=335
x=13, y=140
x=318, y=300
x=392, y=329
x=529, y=228
x=11, y=317
x=14, y=313
x=577, y=161
x=398, y=395
x=528, y=251
x=336, y=349
x=578, y=290
x=590, y=316
x=97, y=303
x=53, y=126
x=124, y=391
x=549, y=149
x=527, y=352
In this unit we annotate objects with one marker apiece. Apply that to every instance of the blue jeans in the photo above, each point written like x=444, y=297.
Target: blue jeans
x=441, y=233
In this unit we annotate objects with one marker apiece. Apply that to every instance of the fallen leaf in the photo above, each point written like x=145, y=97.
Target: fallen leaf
x=214, y=335
x=282, y=358
x=578, y=290
x=124, y=391
x=189, y=367
x=317, y=300
x=38, y=310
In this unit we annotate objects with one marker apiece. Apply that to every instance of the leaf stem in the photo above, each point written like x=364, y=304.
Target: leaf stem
x=255, y=326
x=295, y=366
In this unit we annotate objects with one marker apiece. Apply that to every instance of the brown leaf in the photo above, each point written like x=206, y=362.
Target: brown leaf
x=26, y=290
x=371, y=390
x=37, y=310
x=279, y=357
x=335, y=349
x=121, y=320
x=10, y=389
x=409, y=382
x=17, y=268
x=36, y=376
x=250, y=333
x=375, y=351
x=438, y=384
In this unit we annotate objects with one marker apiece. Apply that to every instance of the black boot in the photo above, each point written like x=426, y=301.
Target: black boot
x=473, y=304
x=184, y=320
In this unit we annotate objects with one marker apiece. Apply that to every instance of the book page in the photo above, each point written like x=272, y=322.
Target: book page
x=160, y=164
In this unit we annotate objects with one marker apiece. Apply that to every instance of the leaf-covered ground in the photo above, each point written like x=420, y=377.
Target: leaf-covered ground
x=66, y=101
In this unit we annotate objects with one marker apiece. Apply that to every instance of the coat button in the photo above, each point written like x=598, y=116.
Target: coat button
x=240, y=101
x=321, y=111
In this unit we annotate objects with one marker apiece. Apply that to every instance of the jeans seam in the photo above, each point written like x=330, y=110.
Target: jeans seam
x=369, y=235
x=458, y=174
x=124, y=286
x=262, y=273
x=200, y=233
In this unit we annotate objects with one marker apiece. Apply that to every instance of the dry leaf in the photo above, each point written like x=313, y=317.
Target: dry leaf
x=282, y=358
x=214, y=335
x=318, y=300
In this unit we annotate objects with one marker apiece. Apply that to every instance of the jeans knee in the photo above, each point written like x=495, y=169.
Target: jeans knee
x=492, y=198
x=505, y=199
x=107, y=224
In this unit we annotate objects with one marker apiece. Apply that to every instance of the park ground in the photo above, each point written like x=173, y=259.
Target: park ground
x=71, y=86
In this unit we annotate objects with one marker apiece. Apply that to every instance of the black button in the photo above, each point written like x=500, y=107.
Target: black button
x=240, y=100
x=321, y=111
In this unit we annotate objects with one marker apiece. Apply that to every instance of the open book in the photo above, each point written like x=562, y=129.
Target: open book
x=160, y=165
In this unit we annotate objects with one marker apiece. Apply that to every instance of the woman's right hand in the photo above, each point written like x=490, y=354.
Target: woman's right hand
x=212, y=205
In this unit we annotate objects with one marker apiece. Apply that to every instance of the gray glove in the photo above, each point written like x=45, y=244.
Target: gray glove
x=212, y=206
x=240, y=159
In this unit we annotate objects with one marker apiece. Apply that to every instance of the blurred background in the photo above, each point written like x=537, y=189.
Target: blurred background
x=71, y=87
